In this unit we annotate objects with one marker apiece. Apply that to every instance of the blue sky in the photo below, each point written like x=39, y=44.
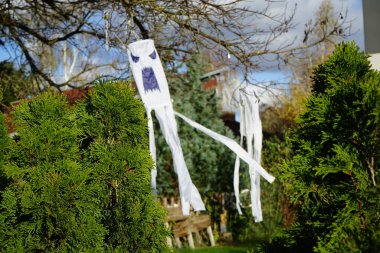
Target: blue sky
x=305, y=10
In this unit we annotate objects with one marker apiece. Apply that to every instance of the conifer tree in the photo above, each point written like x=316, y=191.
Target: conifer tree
x=333, y=176
x=78, y=178
x=3, y=137
x=210, y=163
x=15, y=84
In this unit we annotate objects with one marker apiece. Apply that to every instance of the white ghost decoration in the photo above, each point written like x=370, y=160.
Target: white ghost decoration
x=154, y=91
x=250, y=127
x=153, y=88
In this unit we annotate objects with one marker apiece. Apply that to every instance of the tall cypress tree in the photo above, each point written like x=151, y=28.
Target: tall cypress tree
x=333, y=176
x=15, y=84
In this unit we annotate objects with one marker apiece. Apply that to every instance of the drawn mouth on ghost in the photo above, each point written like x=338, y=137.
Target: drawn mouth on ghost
x=149, y=80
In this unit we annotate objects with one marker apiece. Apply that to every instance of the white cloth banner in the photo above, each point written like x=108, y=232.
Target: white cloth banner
x=250, y=127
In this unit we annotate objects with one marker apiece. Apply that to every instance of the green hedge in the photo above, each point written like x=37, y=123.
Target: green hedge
x=77, y=179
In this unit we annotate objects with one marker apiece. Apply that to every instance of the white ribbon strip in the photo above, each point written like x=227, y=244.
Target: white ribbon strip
x=231, y=144
x=236, y=184
x=257, y=134
x=152, y=148
x=250, y=127
x=237, y=163
x=188, y=192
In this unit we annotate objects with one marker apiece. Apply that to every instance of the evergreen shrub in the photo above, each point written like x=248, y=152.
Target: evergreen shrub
x=4, y=141
x=333, y=175
x=51, y=204
x=78, y=177
x=116, y=133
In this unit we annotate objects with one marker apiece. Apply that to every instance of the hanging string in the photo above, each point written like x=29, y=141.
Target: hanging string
x=132, y=31
x=106, y=17
x=130, y=24
x=107, y=20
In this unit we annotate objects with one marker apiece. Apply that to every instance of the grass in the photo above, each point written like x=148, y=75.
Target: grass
x=217, y=249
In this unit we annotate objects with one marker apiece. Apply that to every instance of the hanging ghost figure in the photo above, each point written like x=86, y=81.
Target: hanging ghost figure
x=154, y=91
x=153, y=88
x=250, y=127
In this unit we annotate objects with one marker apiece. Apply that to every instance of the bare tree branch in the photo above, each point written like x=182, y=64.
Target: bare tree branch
x=251, y=35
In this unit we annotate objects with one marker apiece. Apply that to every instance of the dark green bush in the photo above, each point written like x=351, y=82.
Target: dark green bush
x=79, y=177
x=333, y=175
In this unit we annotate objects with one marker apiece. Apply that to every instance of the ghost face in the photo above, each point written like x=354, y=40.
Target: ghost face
x=148, y=73
x=148, y=77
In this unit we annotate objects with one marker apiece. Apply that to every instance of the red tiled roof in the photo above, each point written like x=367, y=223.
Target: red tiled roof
x=76, y=94
x=72, y=96
x=210, y=84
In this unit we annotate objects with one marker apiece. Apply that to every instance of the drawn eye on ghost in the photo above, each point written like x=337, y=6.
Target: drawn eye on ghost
x=153, y=55
x=135, y=58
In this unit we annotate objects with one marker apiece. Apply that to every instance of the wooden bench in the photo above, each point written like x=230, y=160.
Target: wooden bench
x=183, y=227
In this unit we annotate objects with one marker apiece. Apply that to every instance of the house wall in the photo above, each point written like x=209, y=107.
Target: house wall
x=371, y=10
x=371, y=16
x=375, y=60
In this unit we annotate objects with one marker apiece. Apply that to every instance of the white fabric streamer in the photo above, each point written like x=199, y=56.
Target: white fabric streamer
x=250, y=127
x=236, y=172
x=152, y=148
x=189, y=193
x=231, y=144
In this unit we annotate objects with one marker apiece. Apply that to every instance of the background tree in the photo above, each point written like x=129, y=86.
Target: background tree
x=31, y=29
x=210, y=163
x=332, y=177
x=4, y=141
x=281, y=118
x=292, y=103
x=14, y=84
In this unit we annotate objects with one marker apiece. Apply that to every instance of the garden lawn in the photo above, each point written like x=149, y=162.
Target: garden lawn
x=217, y=249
